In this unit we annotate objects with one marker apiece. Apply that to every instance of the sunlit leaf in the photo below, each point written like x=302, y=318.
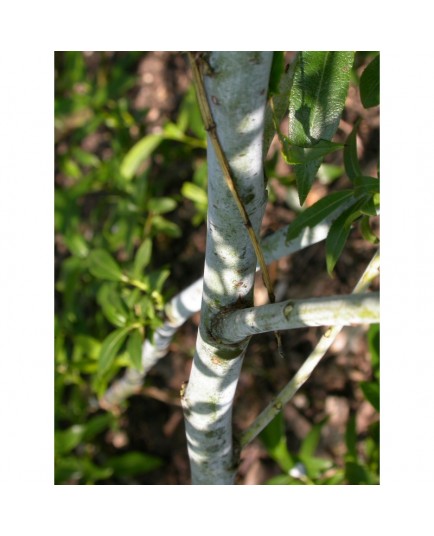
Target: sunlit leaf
x=194, y=193
x=316, y=101
x=161, y=205
x=138, y=154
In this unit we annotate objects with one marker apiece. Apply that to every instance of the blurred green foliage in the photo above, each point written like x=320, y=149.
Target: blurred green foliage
x=115, y=194
x=125, y=192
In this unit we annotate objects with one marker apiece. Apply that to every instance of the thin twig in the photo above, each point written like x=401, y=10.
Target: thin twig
x=304, y=372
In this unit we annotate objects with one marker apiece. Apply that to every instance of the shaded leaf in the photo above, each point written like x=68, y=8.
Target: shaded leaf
x=110, y=348
x=356, y=473
x=294, y=154
x=112, y=305
x=96, y=425
x=103, y=266
x=310, y=442
x=351, y=160
x=67, y=440
x=138, y=154
x=366, y=185
x=371, y=390
x=317, y=212
x=370, y=84
x=369, y=208
x=274, y=439
x=374, y=347
x=277, y=68
x=77, y=469
x=133, y=463
x=339, y=232
x=366, y=231
x=134, y=349
x=351, y=439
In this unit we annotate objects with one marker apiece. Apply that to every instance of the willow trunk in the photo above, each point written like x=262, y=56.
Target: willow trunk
x=236, y=86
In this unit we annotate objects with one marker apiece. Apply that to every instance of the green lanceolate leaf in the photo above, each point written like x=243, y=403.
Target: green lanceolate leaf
x=302, y=155
x=369, y=208
x=112, y=305
x=134, y=349
x=371, y=390
x=194, y=193
x=103, y=266
x=133, y=463
x=351, y=439
x=370, y=84
x=317, y=212
x=161, y=205
x=110, y=348
x=374, y=348
x=138, y=154
x=316, y=101
x=143, y=257
x=366, y=186
x=310, y=442
x=339, y=232
x=351, y=161
x=365, y=229
x=274, y=439
x=165, y=226
x=277, y=68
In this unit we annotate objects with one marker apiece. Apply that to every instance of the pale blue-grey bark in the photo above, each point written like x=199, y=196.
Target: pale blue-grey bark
x=237, y=93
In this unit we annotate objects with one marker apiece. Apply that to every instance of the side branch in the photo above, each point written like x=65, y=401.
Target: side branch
x=188, y=302
x=291, y=314
x=305, y=371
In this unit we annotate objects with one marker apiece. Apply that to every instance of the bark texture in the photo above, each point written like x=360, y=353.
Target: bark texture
x=236, y=86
